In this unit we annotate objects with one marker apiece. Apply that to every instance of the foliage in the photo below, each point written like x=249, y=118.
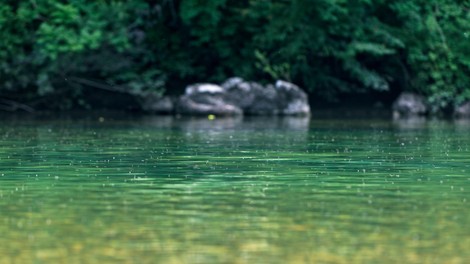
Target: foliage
x=339, y=53
x=281, y=71
x=330, y=47
x=436, y=35
x=47, y=43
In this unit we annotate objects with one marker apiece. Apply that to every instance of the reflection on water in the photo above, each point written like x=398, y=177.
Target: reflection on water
x=227, y=123
x=416, y=122
x=107, y=189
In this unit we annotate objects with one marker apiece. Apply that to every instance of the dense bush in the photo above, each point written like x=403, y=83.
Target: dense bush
x=52, y=52
x=436, y=34
x=47, y=46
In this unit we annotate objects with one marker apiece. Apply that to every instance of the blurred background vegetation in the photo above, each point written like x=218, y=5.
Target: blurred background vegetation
x=52, y=50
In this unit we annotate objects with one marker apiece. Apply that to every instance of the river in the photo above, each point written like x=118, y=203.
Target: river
x=132, y=189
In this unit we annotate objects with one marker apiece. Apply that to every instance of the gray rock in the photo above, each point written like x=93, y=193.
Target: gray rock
x=263, y=100
x=282, y=99
x=463, y=110
x=409, y=105
x=293, y=101
x=188, y=106
x=201, y=88
x=240, y=93
x=205, y=99
x=231, y=82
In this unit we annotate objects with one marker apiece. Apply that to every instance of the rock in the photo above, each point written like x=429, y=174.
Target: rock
x=241, y=93
x=257, y=100
x=203, y=88
x=205, y=99
x=265, y=102
x=293, y=101
x=254, y=99
x=462, y=110
x=232, y=82
x=236, y=96
x=409, y=105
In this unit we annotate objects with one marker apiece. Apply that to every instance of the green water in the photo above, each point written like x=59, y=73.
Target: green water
x=164, y=190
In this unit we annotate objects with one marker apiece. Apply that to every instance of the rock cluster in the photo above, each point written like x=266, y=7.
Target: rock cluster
x=413, y=105
x=237, y=96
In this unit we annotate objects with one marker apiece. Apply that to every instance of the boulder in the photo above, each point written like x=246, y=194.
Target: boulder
x=253, y=98
x=241, y=93
x=463, y=110
x=283, y=98
x=205, y=99
x=409, y=105
x=265, y=102
x=292, y=100
x=203, y=88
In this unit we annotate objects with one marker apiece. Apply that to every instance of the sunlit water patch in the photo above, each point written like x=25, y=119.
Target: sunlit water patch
x=164, y=190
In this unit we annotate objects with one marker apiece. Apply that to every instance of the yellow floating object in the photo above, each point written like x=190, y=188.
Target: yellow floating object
x=211, y=117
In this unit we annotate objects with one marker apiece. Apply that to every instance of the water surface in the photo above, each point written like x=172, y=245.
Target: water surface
x=253, y=190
